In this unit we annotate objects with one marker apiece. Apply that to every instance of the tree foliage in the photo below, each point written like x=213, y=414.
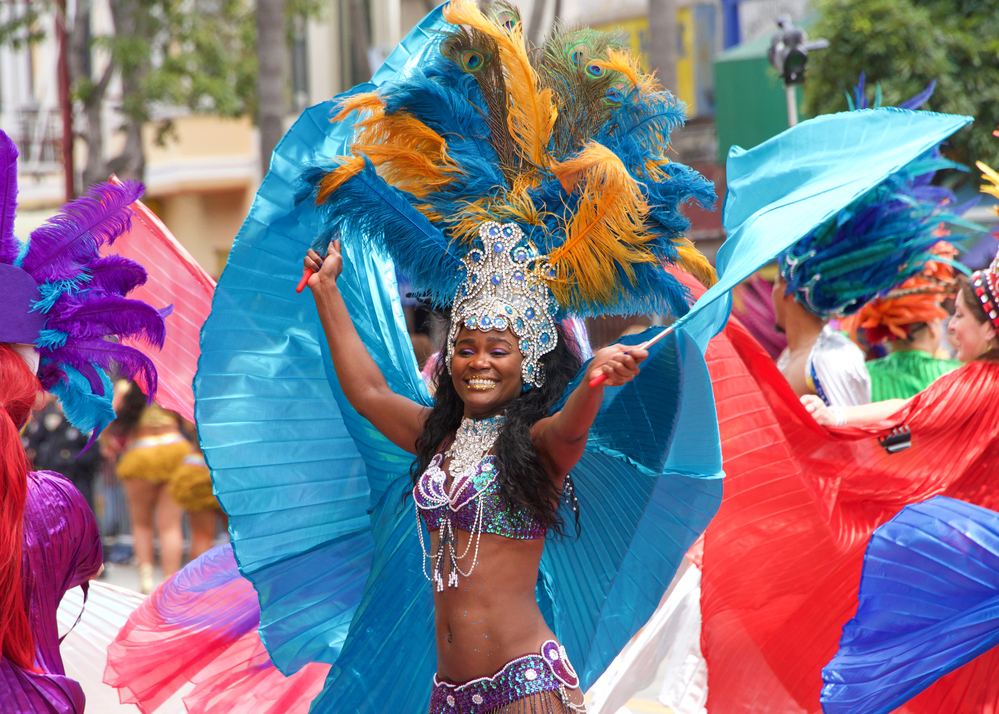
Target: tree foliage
x=903, y=45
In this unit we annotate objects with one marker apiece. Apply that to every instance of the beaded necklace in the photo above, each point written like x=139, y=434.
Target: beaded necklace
x=472, y=442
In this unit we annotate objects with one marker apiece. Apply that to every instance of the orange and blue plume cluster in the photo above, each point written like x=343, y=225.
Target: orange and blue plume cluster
x=568, y=140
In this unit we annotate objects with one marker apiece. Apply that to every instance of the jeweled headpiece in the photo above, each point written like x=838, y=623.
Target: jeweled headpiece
x=506, y=287
x=985, y=283
x=515, y=193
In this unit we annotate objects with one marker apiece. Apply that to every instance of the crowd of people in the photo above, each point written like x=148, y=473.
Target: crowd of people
x=152, y=454
x=444, y=493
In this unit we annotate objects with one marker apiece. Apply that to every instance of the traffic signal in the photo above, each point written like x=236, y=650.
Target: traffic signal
x=789, y=49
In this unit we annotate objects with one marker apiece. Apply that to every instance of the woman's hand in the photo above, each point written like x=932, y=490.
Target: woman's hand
x=823, y=415
x=618, y=362
x=324, y=270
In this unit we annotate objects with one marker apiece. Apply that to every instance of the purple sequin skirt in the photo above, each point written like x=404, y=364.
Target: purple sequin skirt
x=539, y=681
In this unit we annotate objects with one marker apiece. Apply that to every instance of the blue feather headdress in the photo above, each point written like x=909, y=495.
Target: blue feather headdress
x=567, y=143
x=78, y=297
x=880, y=240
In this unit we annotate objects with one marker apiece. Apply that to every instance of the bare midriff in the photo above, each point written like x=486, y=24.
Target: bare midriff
x=492, y=617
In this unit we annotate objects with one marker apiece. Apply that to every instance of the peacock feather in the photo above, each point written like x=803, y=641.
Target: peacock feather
x=568, y=141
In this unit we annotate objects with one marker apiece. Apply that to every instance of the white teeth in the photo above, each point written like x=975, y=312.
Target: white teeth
x=480, y=383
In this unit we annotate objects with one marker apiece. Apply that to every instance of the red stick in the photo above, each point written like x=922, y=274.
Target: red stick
x=602, y=377
x=306, y=274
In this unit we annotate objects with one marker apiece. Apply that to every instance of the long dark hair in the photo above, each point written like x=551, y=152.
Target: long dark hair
x=978, y=311
x=132, y=406
x=523, y=476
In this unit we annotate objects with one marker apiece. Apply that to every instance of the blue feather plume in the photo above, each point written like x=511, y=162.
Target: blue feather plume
x=366, y=206
x=107, y=355
x=454, y=113
x=877, y=242
x=10, y=247
x=85, y=408
x=71, y=239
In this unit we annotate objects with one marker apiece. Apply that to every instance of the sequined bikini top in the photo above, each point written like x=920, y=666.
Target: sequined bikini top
x=460, y=507
x=473, y=504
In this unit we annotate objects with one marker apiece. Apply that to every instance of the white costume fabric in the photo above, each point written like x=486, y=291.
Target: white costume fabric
x=836, y=369
x=669, y=646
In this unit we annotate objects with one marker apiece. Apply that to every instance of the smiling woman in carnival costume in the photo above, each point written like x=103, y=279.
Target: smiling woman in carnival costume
x=60, y=299
x=513, y=195
x=509, y=234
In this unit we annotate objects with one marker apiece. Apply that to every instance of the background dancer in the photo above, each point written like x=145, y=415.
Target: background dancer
x=973, y=331
x=910, y=320
x=152, y=449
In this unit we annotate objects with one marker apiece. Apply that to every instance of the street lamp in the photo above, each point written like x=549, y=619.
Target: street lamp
x=788, y=54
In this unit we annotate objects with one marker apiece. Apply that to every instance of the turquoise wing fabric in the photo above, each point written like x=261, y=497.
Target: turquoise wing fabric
x=779, y=191
x=298, y=475
x=649, y=482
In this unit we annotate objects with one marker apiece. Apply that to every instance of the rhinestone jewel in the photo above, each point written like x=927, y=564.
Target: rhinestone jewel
x=450, y=700
x=530, y=675
x=477, y=699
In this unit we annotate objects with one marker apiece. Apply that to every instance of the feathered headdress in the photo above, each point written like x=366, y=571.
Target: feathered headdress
x=918, y=300
x=879, y=241
x=567, y=151
x=63, y=298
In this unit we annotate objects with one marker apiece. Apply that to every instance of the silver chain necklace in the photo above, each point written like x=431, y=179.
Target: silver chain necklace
x=473, y=440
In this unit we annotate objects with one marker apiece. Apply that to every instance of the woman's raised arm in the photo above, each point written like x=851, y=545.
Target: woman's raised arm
x=400, y=420
x=561, y=438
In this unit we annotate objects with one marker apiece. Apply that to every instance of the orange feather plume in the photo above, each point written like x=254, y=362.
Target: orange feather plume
x=349, y=168
x=606, y=232
x=694, y=262
x=624, y=62
x=516, y=206
x=365, y=102
x=532, y=111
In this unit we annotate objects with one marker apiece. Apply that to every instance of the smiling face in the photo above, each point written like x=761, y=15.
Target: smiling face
x=485, y=371
x=970, y=337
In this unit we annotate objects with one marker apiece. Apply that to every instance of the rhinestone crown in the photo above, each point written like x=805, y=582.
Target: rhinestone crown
x=506, y=287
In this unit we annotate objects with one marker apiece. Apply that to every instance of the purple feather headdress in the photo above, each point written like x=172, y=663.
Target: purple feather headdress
x=81, y=296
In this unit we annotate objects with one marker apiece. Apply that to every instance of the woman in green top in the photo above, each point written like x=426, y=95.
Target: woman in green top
x=910, y=320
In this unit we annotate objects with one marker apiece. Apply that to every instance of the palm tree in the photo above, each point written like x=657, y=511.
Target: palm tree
x=271, y=58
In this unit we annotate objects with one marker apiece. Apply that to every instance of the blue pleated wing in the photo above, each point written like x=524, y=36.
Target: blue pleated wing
x=929, y=603
x=779, y=191
x=297, y=472
x=649, y=482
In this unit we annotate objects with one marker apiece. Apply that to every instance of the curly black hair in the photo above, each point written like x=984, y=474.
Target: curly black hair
x=523, y=476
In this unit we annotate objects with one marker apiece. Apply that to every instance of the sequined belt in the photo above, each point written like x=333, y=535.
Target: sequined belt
x=549, y=671
x=147, y=442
